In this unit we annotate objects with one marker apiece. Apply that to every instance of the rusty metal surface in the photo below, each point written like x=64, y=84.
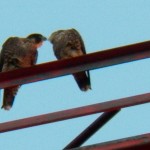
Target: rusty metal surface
x=75, y=112
x=140, y=142
x=87, y=62
x=92, y=129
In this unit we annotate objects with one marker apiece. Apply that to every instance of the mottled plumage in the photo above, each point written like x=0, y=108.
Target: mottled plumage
x=18, y=53
x=68, y=44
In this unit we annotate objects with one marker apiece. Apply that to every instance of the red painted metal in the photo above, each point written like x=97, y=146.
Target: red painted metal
x=91, y=61
x=75, y=112
x=87, y=62
x=141, y=142
x=92, y=129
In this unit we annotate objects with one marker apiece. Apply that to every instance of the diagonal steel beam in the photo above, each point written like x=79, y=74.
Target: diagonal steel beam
x=92, y=129
x=140, y=142
x=75, y=112
x=91, y=61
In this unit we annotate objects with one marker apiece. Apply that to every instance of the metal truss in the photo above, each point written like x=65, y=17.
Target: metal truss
x=90, y=61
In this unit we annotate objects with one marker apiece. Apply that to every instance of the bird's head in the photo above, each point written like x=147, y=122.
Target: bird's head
x=37, y=38
x=55, y=36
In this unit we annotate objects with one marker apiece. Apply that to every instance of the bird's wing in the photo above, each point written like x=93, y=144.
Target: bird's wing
x=3, y=50
x=68, y=44
x=16, y=53
x=19, y=51
x=79, y=39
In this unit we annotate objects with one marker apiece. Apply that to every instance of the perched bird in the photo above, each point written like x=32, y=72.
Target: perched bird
x=18, y=53
x=68, y=44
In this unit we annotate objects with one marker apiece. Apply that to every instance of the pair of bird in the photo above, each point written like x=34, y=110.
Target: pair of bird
x=22, y=52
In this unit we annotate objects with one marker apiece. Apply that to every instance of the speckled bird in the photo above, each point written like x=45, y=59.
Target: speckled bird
x=68, y=44
x=18, y=53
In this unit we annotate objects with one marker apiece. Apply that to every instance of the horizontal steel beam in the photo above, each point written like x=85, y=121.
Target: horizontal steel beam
x=91, y=129
x=75, y=112
x=141, y=142
x=91, y=61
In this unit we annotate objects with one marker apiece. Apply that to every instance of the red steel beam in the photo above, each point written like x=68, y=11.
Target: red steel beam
x=87, y=62
x=75, y=112
x=141, y=142
x=91, y=129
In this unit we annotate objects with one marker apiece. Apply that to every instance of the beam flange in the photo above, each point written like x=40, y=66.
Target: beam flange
x=75, y=112
x=140, y=142
x=90, y=61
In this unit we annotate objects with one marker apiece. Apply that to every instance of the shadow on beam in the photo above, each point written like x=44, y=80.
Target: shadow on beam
x=141, y=142
x=91, y=61
x=75, y=112
x=92, y=129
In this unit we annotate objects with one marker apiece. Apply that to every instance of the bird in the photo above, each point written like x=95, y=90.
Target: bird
x=18, y=52
x=68, y=44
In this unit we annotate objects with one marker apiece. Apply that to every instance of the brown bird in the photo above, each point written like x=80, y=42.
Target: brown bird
x=18, y=53
x=68, y=44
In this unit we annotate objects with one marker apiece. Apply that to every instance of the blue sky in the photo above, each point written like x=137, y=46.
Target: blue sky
x=103, y=24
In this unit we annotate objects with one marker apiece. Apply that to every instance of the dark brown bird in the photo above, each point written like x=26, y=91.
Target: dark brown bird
x=18, y=53
x=68, y=44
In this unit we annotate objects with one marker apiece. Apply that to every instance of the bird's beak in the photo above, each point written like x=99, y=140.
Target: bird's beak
x=44, y=38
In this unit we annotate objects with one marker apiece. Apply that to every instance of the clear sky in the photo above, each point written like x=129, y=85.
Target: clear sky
x=103, y=24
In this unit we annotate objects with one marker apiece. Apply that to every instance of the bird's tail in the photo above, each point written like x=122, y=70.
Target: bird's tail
x=83, y=80
x=9, y=97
